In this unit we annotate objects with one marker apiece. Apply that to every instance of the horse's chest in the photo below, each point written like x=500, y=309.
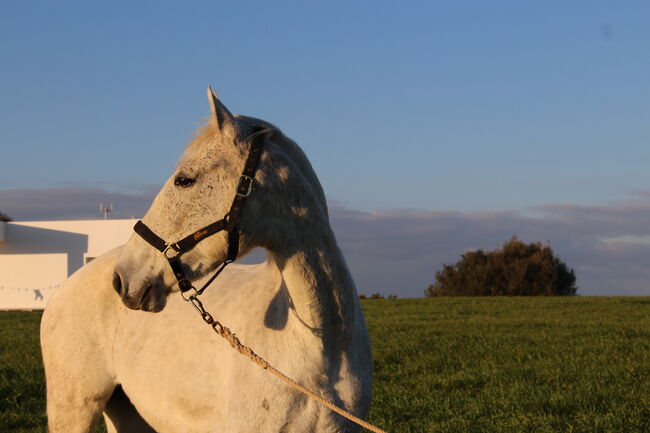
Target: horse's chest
x=185, y=378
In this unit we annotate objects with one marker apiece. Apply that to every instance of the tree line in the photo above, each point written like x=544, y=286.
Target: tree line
x=515, y=269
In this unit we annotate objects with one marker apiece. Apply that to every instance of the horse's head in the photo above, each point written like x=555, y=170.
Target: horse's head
x=201, y=191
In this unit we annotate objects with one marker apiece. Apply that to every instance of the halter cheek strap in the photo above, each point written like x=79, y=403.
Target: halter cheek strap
x=174, y=251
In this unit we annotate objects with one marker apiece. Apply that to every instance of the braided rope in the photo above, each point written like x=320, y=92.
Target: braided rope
x=227, y=334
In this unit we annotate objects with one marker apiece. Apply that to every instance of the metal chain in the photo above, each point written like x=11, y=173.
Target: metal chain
x=227, y=334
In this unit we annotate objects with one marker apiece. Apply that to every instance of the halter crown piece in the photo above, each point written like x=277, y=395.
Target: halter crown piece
x=174, y=250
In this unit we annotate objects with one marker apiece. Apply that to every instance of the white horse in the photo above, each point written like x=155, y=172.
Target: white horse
x=163, y=369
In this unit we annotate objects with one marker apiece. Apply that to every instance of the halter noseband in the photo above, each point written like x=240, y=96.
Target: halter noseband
x=174, y=250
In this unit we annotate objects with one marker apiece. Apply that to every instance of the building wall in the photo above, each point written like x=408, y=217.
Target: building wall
x=36, y=256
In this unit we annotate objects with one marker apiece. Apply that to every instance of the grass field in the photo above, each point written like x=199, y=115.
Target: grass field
x=453, y=365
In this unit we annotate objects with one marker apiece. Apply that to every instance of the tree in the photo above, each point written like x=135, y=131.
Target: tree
x=517, y=269
x=4, y=217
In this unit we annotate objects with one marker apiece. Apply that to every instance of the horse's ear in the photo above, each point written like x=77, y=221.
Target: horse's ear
x=221, y=118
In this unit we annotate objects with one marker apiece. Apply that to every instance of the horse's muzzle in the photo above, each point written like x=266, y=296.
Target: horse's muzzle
x=146, y=298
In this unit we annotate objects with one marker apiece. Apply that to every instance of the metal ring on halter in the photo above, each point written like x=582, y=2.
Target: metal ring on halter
x=249, y=187
x=189, y=299
x=173, y=247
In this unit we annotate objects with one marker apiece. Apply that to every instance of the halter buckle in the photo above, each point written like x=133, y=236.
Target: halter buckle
x=247, y=189
x=174, y=248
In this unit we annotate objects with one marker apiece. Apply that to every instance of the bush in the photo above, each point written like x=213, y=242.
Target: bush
x=4, y=217
x=517, y=269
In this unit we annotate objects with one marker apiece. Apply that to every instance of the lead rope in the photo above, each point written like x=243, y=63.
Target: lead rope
x=231, y=338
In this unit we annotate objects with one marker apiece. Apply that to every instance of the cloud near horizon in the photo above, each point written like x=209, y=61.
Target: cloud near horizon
x=399, y=251
x=74, y=202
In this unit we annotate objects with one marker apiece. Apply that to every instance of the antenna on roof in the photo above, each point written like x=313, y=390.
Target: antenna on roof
x=104, y=210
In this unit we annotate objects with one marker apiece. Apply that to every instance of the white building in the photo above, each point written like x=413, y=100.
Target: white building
x=36, y=256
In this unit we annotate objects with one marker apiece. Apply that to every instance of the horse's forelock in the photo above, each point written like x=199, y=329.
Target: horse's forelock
x=206, y=131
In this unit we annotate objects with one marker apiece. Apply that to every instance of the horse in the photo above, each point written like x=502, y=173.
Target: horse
x=118, y=340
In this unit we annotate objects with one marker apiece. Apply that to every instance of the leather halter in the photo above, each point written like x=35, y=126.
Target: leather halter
x=174, y=250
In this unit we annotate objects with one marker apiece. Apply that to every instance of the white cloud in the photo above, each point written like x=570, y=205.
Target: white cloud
x=627, y=240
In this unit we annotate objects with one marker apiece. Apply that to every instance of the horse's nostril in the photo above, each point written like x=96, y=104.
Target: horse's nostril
x=117, y=283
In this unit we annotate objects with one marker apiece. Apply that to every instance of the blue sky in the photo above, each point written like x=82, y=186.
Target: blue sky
x=467, y=107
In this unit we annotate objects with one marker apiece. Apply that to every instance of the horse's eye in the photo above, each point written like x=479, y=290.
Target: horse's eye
x=183, y=181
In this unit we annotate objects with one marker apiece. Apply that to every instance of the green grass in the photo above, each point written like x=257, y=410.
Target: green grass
x=453, y=365
x=511, y=364
x=22, y=389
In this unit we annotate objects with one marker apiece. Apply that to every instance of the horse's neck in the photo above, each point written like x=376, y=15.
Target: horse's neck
x=320, y=286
